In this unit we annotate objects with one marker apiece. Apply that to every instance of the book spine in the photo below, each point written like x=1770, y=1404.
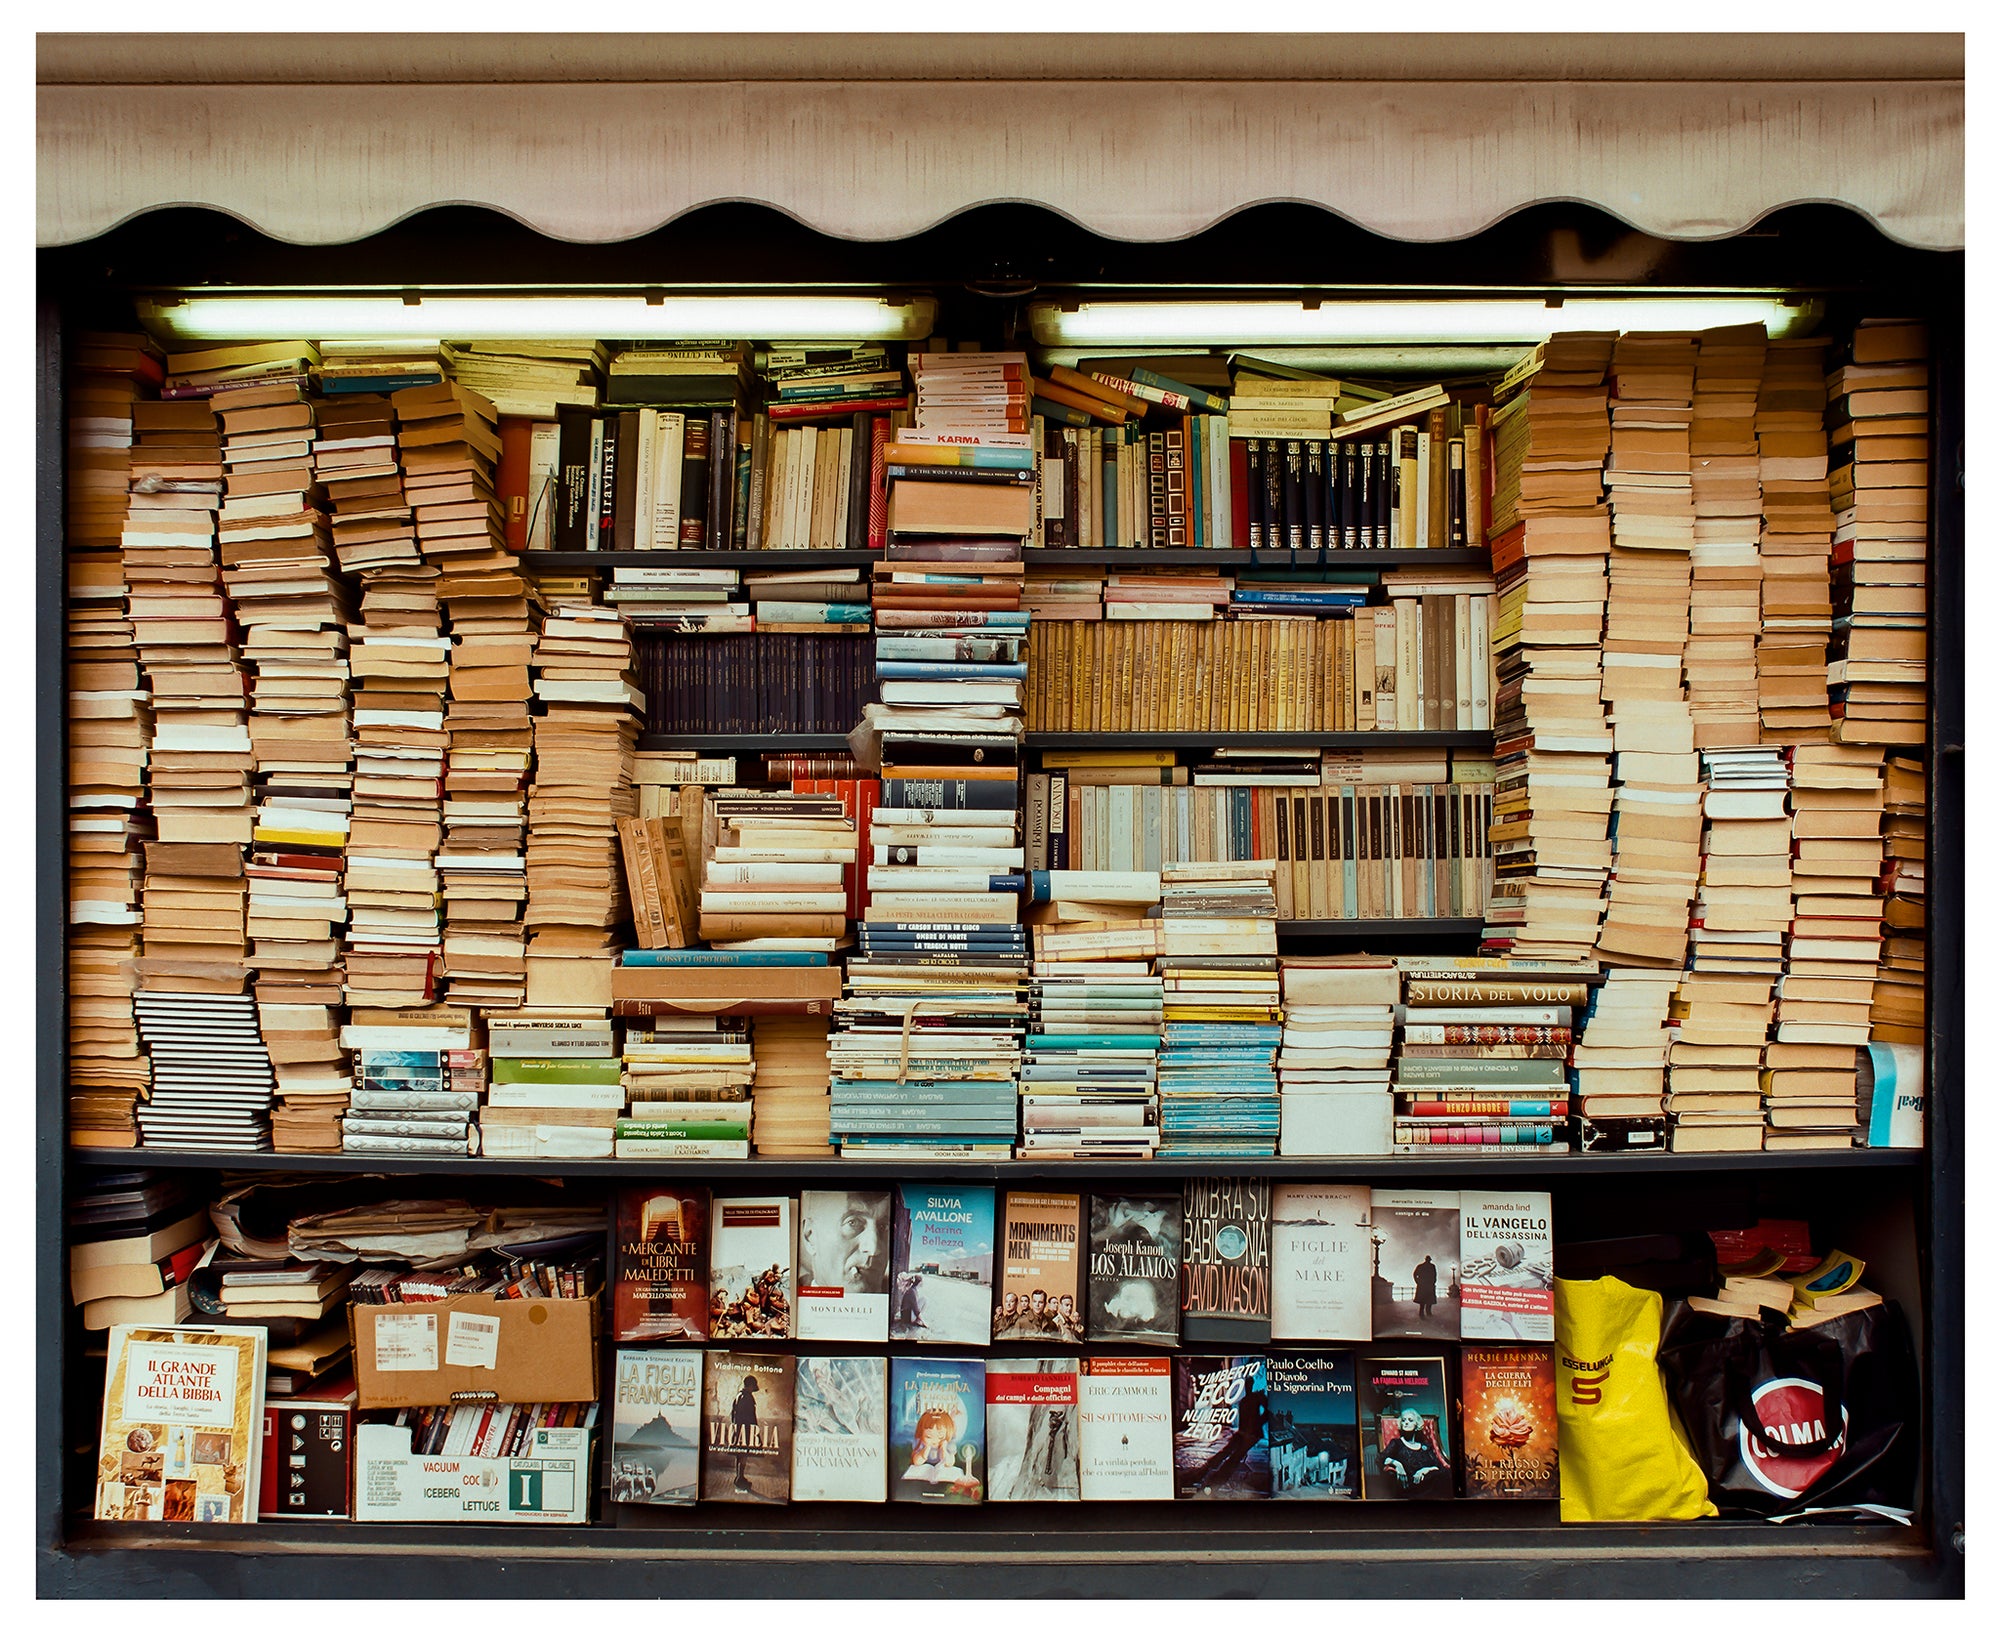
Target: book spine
x=604, y=512
x=694, y=483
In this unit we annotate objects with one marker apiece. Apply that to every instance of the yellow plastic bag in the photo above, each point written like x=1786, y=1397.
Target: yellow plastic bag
x=1624, y=1456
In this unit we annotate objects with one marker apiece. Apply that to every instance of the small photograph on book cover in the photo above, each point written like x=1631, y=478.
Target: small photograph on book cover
x=656, y=1428
x=746, y=1453
x=1222, y=1428
x=937, y=1439
x=1416, y=1277
x=843, y=1265
x=1314, y=1434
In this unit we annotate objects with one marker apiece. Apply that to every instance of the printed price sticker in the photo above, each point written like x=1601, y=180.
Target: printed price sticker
x=472, y=1342
x=406, y=1342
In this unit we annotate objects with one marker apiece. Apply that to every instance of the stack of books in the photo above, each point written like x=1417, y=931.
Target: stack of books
x=794, y=1106
x=135, y=1239
x=109, y=727
x=1881, y=501
x=672, y=598
x=418, y=1083
x=687, y=1085
x=585, y=739
x=1219, y=959
x=1063, y=595
x=1089, y=1085
x=1551, y=540
x=1620, y=1060
x=1795, y=548
x=1465, y=1077
x=1743, y=904
x=557, y=1088
x=495, y=615
x=773, y=871
x=211, y=1075
x=1726, y=590
x=1333, y=1059
x=528, y=377
x=366, y=367
x=1896, y=1015
x=1715, y=1066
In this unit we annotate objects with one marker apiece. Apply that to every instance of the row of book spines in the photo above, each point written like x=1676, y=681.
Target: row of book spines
x=754, y=683
x=1418, y=664
x=488, y=1430
x=1167, y=488
x=1413, y=490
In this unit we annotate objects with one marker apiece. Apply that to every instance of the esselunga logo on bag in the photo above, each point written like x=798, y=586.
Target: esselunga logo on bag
x=1793, y=1413
x=1586, y=1380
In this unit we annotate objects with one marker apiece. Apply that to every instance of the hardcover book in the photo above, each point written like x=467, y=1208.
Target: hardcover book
x=1135, y=1263
x=843, y=1265
x=1415, y=1283
x=750, y=1269
x=1125, y=1415
x=1507, y=1422
x=183, y=1424
x=840, y=1430
x=1222, y=1428
x=937, y=1452
x=1040, y=1292
x=1405, y=1427
x=1031, y=1428
x=1507, y=1256
x=662, y=1288
x=1226, y=1262
x=746, y=1443
x=943, y=1265
x=656, y=1428
x=1321, y=1255
x=1315, y=1450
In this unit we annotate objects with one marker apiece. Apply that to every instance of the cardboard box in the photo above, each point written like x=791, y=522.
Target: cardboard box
x=308, y=1462
x=475, y=1348
x=549, y=1483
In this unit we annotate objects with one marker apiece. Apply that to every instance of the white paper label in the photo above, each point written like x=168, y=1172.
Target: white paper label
x=472, y=1342
x=406, y=1342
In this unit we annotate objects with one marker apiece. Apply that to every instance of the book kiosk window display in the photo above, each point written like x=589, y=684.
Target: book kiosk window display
x=1109, y=714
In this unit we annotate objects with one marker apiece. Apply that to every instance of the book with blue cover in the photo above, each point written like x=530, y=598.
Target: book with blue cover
x=937, y=1432
x=942, y=1287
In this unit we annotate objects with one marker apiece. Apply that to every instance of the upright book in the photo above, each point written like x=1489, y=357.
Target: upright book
x=1507, y=1422
x=1321, y=1255
x=844, y=1239
x=1031, y=1429
x=937, y=1451
x=1222, y=1428
x=1226, y=1262
x=1125, y=1413
x=1040, y=1292
x=662, y=1287
x=183, y=1425
x=943, y=1265
x=1315, y=1451
x=750, y=1269
x=840, y=1430
x=656, y=1427
x=1507, y=1260
x=1135, y=1262
x=1405, y=1405
x=1416, y=1283
x=746, y=1443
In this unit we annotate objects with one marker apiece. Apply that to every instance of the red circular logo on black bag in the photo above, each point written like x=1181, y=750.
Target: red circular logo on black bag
x=1793, y=1413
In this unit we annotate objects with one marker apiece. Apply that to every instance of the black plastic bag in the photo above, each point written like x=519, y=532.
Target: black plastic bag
x=1785, y=1419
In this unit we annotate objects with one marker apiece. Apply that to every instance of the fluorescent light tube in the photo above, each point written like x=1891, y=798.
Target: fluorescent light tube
x=1467, y=321
x=554, y=317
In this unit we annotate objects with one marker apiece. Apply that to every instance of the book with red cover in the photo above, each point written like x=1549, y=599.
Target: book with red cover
x=660, y=1291
x=510, y=477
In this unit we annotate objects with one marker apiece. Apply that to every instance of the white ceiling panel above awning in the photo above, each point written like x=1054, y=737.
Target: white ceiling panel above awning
x=1129, y=159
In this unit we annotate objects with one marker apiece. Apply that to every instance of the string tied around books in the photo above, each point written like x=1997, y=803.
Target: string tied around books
x=909, y=1021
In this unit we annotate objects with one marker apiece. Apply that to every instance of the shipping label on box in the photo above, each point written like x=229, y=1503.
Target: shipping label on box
x=548, y=1483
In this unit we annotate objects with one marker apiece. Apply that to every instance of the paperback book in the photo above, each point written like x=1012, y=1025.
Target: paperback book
x=1405, y=1427
x=1416, y=1281
x=844, y=1265
x=943, y=1265
x=750, y=1269
x=1125, y=1414
x=746, y=1454
x=656, y=1428
x=937, y=1445
x=1507, y=1422
x=662, y=1288
x=1040, y=1275
x=1314, y=1435
x=1135, y=1258
x=1321, y=1252
x=1222, y=1428
x=183, y=1426
x=1507, y=1251
x=1226, y=1262
x=1031, y=1429
x=840, y=1434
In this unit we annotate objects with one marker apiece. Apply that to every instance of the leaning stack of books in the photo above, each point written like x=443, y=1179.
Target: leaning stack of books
x=1333, y=1059
x=211, y=1074
x=494, y=614
x=528, y=377
x=557, y=1085
x=1881, y=501
x=1726, y=591
x=1620, y=1061
x=1219, y=959
x=1795, y=547
x=1896, y=1015
x=1551, y=538
x=135, y=1239
x=1089, y=1085
x=1474, y=1085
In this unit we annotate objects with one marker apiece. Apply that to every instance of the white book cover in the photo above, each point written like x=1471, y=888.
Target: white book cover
x=840, y=1429
x=1125, y=1412
x=1320, y=1263
x=1507, y=1260
x=664, y=522
x=843, y=1266
x=751, y=1286
x=1336, y=1125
